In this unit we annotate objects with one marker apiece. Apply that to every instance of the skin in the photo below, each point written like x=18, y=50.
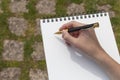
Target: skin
x=93, y=48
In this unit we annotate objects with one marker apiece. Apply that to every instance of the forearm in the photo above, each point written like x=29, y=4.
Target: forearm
x=111, y=67
x=86, y=41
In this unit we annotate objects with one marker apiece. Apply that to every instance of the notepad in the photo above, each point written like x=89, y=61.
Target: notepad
x=65, y=62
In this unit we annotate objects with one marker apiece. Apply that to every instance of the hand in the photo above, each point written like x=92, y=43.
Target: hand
x=84, y=40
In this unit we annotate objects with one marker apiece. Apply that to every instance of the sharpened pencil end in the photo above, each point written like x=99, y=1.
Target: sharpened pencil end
x=59, y=32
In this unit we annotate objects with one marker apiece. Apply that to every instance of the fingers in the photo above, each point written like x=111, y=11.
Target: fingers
x=92, y=31
x=70, y=37
x=75, y=34
x=70, y=24
x=67, y=37
x=66, y=26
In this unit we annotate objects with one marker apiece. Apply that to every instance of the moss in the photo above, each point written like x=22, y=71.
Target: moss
x=28, y=47
x=90, y=5
x=61, y=7
x=31, y=15
x=115, y=21
x=42, y=65
x=5, y=6
x=77, y=1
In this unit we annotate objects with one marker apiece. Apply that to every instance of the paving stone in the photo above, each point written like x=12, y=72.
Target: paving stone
x=0, y=8
x=18, y=26
x=107, y=8
x=46, y=6
x=10, y=74
x=37, y=74
x=13, y=50
x=38, y=53
x=37, y=27
x=75, y=8
x=17, y=6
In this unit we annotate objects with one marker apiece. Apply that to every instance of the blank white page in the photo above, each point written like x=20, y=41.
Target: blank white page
x=65, y=62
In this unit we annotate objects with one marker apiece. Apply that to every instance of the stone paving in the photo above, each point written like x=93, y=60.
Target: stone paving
x=107, y=8
x=38, y=53
x=17, y=26
x=46, y=6
x=17, y=6
x=37, y=74
x=14, y=49
x=10, y=74
x=0, y=8
x=75, y=8
x=37, y=27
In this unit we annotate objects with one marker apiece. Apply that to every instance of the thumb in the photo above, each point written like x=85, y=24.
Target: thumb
x=67, y=37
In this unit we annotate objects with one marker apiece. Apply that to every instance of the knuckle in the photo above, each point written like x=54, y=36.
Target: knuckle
x=73, y=21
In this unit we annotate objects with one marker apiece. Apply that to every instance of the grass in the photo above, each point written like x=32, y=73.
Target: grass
x=116, y=28
x=103, y=2
x=60, y=6
x=31, y=15
x=88, y=4
x=30, y=38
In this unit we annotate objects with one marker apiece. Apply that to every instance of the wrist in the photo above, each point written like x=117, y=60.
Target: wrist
x=99, y=54
x=101, y=57
x=108, y=64
x=105, y=60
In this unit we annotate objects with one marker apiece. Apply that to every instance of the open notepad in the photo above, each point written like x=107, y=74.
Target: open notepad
x=65, y=62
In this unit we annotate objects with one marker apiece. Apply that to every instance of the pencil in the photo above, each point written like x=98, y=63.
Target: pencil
x=73, y=29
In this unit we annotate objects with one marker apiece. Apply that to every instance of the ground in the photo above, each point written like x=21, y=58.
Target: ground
x=21, y=49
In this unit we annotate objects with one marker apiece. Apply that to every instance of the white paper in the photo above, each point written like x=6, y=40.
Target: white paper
x=64, y=62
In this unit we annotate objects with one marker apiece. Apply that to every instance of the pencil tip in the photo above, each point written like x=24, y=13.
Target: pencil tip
x=59, y=32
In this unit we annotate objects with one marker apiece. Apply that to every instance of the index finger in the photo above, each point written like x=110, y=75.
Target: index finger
x=70, y=24
x=66, y=26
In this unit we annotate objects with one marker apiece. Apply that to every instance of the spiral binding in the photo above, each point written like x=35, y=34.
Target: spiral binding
x=75, y=17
